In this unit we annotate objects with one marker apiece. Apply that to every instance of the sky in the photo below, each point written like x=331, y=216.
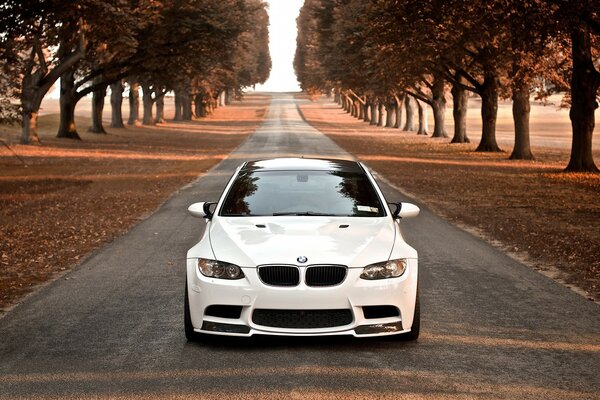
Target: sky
x=282, y=44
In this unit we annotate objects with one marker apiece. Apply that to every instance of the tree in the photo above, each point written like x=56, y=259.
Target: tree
x=169, y=43
x=308, y=64
x=116, y=102
x=49, y=38
x=30, y=29
x=585, y=82
x=460, y=101
x=582, y=22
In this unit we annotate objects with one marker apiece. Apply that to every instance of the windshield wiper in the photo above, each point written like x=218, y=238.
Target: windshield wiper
x=238, y=215
x=307, y=213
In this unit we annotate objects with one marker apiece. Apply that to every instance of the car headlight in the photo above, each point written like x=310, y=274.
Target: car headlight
x=219, y=269
x=384, y=270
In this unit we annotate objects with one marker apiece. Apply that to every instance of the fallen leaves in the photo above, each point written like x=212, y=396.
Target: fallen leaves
x=76, y=196
x=533, y=209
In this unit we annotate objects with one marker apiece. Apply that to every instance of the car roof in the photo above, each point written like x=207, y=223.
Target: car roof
x=307, y=164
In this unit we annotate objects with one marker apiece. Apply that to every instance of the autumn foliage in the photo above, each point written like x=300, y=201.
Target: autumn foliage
x=380, y=56
x=206, y=51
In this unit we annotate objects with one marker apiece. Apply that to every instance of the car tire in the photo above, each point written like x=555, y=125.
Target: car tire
x=416, y=325
x=190, y=334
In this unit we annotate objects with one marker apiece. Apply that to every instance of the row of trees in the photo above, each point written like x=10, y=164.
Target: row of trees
x=199, y=49
x=383, y=54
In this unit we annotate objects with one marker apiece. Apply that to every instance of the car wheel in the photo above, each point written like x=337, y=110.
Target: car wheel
x=416, y=325
x=190, y=334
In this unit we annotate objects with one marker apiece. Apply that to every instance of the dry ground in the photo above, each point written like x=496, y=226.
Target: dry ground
x=70, y=196
x=531, y=209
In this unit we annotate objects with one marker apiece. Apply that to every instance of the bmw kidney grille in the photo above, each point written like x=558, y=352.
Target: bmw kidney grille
x=316, y=276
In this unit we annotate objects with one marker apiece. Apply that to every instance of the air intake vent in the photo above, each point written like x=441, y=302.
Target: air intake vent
x=279, y=275
x=224, y=311
x=373, y=312
x=325, y=275
x=302, y=319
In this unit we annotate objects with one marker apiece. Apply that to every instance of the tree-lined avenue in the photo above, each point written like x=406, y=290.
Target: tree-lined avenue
x=491, y=327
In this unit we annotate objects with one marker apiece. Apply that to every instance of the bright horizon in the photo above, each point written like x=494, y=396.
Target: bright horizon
x=282, y=45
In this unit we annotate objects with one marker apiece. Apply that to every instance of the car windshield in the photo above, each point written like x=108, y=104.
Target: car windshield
x=302, y=193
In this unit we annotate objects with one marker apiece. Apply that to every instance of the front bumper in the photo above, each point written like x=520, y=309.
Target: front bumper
x=354, y=294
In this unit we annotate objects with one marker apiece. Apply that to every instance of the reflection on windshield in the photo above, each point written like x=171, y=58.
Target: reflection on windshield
x=244, y=188
x=305, y=193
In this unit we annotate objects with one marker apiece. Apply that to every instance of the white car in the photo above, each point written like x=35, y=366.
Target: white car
x=302, y=247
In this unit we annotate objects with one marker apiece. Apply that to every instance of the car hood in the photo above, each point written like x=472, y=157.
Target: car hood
x=252, y=241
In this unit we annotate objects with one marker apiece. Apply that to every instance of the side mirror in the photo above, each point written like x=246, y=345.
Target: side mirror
x=405, y=210
x=201, y=210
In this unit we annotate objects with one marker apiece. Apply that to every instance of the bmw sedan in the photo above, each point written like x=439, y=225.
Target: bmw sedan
x=302, y=247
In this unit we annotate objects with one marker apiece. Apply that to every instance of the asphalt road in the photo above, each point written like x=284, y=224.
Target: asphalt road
x=491, y=327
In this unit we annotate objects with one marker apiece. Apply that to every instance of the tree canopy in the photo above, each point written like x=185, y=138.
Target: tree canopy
x=497, y=49
x=191, y=46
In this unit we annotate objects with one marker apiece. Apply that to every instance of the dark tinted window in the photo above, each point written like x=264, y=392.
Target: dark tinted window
x=333, y=193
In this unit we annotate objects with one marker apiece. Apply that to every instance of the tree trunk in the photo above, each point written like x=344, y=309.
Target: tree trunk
x=410, y=123
x=489, y=111
x=160, y=108
x=585, y=81
x=186, y=104
x=398, y=119
x=399, y=106
x=36, y=82
x=66, y=126
x=200, y=105
x=438, y=106
x=521, y=109
x=374, y=116
x=336, y=96
x=31, y=100
x=29, y=128
x=361, y=111
x=389, y=114
x=353, y=110
x=222, y=98
x=210, y=105
x=98, y=109
x=422, y=111
x=29, y=114
x=116, y=103
x=460, y=100
x=365, y=112
x=134, y=103
x=225, y=97
x=380, y=114
x=148, y=102
x=178, y=106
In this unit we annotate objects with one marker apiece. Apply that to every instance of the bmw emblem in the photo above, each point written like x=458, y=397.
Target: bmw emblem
x=302, y=259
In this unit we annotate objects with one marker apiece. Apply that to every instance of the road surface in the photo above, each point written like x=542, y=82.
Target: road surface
x=491, y=327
